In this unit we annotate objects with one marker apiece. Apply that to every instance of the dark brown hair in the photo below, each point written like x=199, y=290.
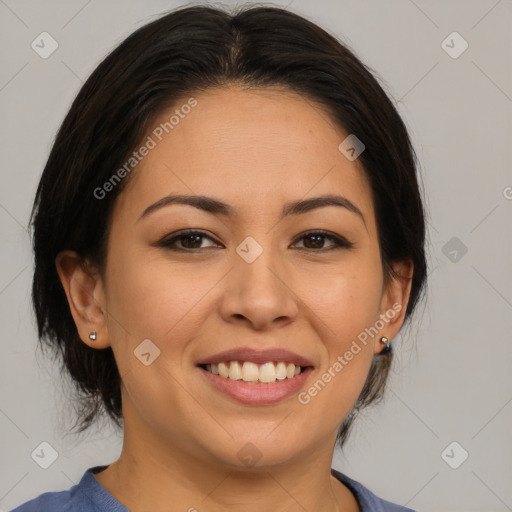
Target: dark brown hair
x=190, y=50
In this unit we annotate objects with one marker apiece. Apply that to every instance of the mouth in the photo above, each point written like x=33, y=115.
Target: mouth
x=255, y=384
x=256, y=377
x=253, y=373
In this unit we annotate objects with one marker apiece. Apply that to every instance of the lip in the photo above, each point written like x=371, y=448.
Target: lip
x=257, y=394
x=256, y=356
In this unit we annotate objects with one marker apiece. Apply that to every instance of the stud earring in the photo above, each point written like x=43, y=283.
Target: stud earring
x=386, y=342
x=92, y=335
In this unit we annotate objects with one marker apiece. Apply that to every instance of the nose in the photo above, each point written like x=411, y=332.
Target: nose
x=260, y=292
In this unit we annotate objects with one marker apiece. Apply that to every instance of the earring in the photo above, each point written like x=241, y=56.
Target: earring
x=387, y=343
x=92, y=335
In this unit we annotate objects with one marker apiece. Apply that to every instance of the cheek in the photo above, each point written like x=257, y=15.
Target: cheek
x=150, y=297
x=358, y=303
x=348, y=307
x=347, y=298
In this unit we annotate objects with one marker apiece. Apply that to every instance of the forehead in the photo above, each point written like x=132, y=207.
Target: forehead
x=247, y=147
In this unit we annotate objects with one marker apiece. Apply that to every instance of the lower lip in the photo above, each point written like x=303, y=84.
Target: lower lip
x=257, y=394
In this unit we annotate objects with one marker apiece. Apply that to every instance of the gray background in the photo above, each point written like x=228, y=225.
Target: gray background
x=451, y=380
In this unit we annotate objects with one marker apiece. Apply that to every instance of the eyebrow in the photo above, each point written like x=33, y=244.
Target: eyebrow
x=216, y=207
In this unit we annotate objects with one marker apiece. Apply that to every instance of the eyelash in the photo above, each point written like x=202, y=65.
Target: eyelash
x=340, y=243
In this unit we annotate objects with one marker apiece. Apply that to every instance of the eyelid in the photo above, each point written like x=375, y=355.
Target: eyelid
x=167, y=239
x=339, y=241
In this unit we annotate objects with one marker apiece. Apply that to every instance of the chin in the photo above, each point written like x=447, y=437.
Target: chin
x=258, y=452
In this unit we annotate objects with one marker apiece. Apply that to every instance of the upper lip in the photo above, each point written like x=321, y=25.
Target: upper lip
x=256, y=356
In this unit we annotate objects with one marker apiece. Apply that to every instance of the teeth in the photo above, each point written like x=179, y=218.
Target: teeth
x=223, y=370
x=268, y=372
x=251, y=372
x=235, y=371
x=281, y=370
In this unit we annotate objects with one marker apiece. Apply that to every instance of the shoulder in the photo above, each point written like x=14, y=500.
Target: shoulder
x=368, y=501
x=49, y=501
x=86, y=496
x=55, y=501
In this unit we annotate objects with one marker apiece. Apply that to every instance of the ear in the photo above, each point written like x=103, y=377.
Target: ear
x=395, y=297
x=85, y=294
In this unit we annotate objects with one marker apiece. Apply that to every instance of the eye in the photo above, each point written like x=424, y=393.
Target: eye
x=317, y=239
x=191, y=241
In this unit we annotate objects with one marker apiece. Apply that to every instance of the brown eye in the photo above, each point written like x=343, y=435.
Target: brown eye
x=192, y=241
x=317, y=240
x=188, y=240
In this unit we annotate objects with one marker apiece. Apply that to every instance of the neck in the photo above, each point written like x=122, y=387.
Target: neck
x=223, y=490
x=152, y=473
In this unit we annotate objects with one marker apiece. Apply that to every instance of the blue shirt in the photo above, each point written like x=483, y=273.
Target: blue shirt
x=90, y=496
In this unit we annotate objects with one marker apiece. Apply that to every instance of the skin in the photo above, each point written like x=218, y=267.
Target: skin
x=181, y=436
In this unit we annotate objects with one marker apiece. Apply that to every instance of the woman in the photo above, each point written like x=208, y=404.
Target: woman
x=228, y=235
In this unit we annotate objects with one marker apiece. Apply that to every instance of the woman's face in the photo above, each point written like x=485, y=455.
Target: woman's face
x=251, y=279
